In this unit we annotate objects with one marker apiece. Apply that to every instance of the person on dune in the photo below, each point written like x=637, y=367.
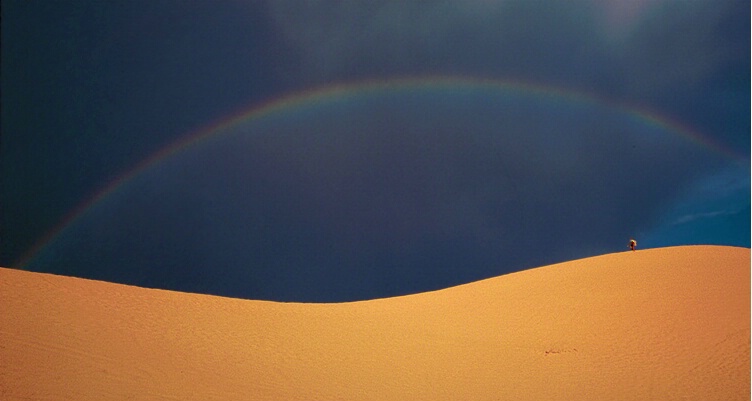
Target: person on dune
x=632, y=244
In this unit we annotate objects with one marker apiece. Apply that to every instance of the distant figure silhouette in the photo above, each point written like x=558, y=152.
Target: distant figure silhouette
x=632, y=244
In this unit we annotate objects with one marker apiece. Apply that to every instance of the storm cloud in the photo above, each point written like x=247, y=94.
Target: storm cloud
x=383, y=192
x=386, y=193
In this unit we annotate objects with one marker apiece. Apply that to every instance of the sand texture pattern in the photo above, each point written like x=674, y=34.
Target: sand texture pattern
x=656, y=324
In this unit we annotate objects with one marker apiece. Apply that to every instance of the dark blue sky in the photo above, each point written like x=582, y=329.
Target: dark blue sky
x=380, y=192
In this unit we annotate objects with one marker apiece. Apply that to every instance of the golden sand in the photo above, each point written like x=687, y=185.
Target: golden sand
x=658, y=324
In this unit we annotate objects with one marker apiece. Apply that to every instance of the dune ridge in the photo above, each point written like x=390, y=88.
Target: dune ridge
x=656, y=324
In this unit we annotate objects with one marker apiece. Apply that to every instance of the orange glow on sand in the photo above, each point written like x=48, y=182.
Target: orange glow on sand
x=656, y=324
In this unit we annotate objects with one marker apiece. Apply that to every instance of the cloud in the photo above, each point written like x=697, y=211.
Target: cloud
x=665, y=42
x=714, y=208
x=720, y=195
x=354, y=40
x=384, y=193
x=377, y=195
x=688, y=218
x=686, y=60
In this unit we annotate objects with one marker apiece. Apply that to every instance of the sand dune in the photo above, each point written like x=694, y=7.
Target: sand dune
x=659, y=324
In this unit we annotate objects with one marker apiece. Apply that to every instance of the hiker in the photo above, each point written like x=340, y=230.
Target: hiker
x=632, y=244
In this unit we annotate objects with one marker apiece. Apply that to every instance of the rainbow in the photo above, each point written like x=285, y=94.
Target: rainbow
x=344, y=91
